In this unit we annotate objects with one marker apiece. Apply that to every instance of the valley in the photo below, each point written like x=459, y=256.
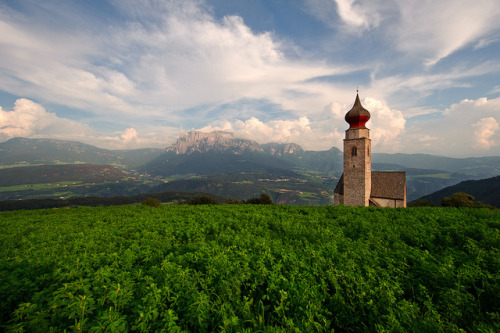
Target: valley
x=215, y=163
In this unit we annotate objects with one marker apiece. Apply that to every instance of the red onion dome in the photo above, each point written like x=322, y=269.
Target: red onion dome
x=358, y=115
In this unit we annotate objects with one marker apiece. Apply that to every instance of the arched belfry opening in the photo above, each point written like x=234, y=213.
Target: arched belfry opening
x=354, y=151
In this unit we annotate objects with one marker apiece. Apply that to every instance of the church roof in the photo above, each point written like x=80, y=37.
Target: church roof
x=339, y=189
x=385, y=184
x=358, y=115
x=388, y=185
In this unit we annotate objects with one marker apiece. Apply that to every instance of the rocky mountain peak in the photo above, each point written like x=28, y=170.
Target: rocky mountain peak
x=281, y=149
x=196, y=141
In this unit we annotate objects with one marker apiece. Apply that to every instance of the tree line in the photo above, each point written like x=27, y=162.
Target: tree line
x=263, y=199
x=459, y=199
x=148, y=199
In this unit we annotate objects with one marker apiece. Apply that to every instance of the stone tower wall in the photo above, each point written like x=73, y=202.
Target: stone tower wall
x=357, y=167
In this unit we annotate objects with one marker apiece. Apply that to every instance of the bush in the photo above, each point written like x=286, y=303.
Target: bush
x=151, y=202
x=264, y=199
x=461, y=199
x=232, y=201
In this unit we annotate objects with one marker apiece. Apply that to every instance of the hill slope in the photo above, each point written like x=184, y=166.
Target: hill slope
x=484, y=190
x=213, y=162
x=477, y=166
x=69, y=180
x=284, y=187
x=22, y=151
x=59, y=173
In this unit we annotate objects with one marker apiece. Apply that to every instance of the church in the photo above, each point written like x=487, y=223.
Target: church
x=359, y=186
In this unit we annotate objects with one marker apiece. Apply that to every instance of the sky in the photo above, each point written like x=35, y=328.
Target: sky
x=127, y=74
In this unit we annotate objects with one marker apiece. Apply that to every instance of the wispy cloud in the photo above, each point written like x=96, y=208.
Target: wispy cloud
x=414, y=86
x=180, y=59
x=425, y=30
x=154, y=67
x=495, y=90
x=435, y=29
x=351, y=15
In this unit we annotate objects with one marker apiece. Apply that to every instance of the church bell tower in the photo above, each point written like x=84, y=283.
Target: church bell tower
x=357, y=157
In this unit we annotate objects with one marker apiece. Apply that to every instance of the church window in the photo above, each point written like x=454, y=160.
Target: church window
x=354, y=151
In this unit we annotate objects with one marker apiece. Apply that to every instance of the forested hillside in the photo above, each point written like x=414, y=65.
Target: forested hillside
x=485, y=190
x=26, y=152
x=59, y=173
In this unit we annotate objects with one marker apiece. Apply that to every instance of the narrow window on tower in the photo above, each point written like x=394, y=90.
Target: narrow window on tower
x=354, y=151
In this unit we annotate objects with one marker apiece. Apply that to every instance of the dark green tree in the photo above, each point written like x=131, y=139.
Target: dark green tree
x=151, y=202
x=461, y=199
x=264, y=199
x=232, y=201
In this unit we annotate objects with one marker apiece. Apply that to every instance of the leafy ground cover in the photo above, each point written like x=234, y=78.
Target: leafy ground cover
x=250, y=268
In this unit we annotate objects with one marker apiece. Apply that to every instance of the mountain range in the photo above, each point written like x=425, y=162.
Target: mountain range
x=220, y=164
x=22, y=151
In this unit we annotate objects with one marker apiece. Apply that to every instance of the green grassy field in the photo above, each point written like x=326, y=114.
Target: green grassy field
x=250, y=268
x=444, y=175
x=43, y=186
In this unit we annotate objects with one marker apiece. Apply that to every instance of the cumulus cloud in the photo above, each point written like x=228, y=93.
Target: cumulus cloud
x=310, y=135
x=484, y=130
x=128, y=138
x=387, y=124
x=467, y=128
x=129, y=135
x=263, y=132
x=325, y=131
x=274, y=131
x=29, y=119
x=131, y=138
